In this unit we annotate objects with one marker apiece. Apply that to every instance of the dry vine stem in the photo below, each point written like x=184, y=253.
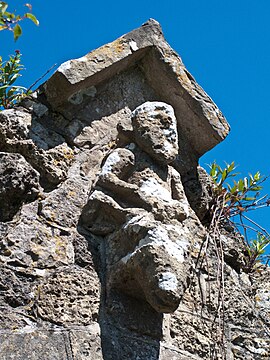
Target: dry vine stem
x=214, y=235
x=228, y=202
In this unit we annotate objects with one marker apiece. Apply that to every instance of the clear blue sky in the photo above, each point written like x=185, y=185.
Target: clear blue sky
x=224, y=44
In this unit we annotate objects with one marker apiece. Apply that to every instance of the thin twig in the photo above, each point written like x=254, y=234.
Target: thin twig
x=38, y=80
x=245, y=226
x=259, y=226
x=245, y=229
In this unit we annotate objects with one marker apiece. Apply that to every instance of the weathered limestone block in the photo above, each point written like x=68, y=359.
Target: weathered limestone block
x=15, y=124
x=15, y=291
x=33, y=244
x=63, y=205
x=103, y=131
x=102, y=215
x=86, y=344
x=262, y=296
x=33, y=345
x=41, y=344
x=19, y=183
x=198, y=188
x=44, y=149
x=69, y=296
x=76, y=82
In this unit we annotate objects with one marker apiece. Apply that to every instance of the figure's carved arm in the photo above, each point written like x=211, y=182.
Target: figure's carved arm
x=112, y=182
x=178, y=192
x=114, y=174
x=116, y=169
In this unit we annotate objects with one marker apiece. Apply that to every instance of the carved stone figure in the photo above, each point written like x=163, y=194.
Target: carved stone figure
x=139, y=205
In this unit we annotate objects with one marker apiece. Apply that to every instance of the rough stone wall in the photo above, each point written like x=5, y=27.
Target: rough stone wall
x=103, y=212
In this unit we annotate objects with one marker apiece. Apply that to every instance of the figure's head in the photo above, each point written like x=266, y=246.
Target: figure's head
x=155, y=130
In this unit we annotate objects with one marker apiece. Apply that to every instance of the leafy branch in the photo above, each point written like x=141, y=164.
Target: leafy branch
x=10, y=71
x=235, y=200
x=10, y=21
x=256, y=250
x=231, y=201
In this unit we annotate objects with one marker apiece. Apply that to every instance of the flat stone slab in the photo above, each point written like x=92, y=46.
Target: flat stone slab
x=61, y=344
x=198, y=117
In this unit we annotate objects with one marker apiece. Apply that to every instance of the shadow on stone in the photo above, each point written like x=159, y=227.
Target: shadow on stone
x=129, y=327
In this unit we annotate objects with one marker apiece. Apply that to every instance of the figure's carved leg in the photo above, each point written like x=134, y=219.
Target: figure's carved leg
x=157, y=267
x=102, y=215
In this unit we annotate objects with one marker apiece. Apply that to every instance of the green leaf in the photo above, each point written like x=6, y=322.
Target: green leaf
x=219, y=168
x=224, y=174
x=231, y=167
x=32, y=17
x=17, y=87
x=10, y=92
x=9, y=15
x=3, y=87
x=240, y=185
x=14, y=78
x=234, y=188
x=17, y=31
x=3, y=7
x=213, y=171
x=257, y=176
x=256, y=188
x=7, y=67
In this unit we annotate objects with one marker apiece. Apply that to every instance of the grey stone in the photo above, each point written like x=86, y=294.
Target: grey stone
x=43, y=148
x=156, y=268
x=35, y=345
x=199, y=190
x=69, y=296
x=19, y=183
x=34, y=245
x=86, y=344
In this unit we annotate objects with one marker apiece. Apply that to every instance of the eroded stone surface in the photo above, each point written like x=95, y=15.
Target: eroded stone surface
x=69, y=296
x=43, y=148
x=34, y=345
x=19, y=183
